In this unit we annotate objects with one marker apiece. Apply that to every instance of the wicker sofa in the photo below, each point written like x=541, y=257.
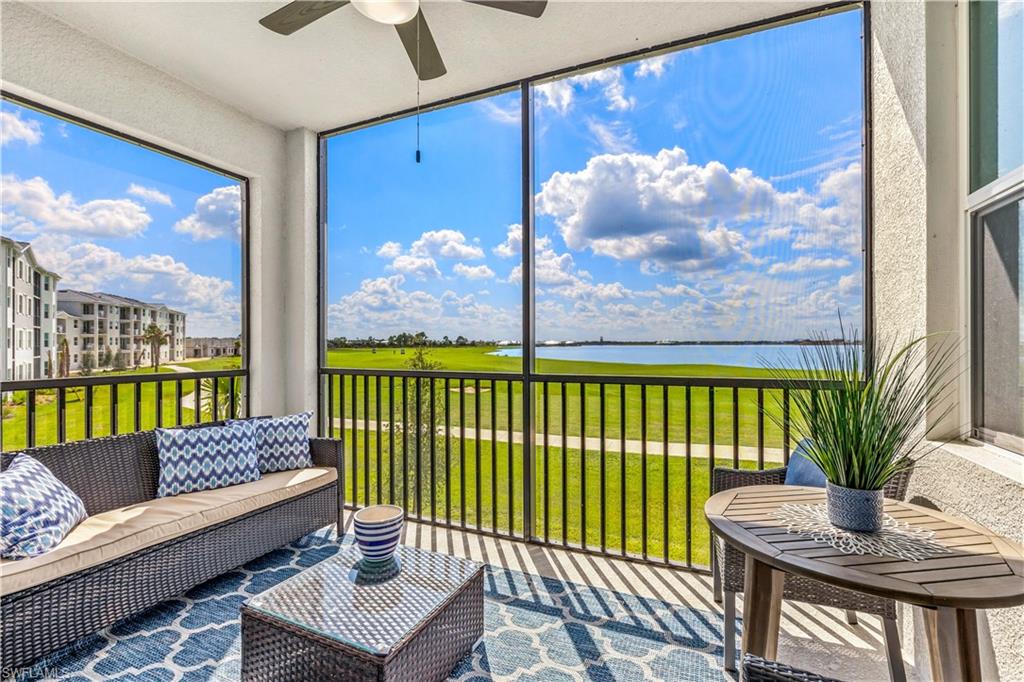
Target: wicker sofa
x=134, y=551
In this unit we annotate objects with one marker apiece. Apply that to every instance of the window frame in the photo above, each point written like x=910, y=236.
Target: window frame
x=1010, y=442
x=244, y=181
x=525, y=86
x=974, y=204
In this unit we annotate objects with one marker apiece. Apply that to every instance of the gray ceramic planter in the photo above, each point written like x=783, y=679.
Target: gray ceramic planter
x=852, y=509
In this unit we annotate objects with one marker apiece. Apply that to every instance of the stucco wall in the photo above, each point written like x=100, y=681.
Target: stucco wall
x=92, y=80
x=300, y=290
x=964, y=484
x=918, y=283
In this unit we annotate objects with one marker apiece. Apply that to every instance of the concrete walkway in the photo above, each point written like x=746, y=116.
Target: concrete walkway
x=178, y=368
x=723, y=453
x=189, y=400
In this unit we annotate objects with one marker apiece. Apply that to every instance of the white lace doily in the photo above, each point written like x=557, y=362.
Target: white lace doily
x=896, y=538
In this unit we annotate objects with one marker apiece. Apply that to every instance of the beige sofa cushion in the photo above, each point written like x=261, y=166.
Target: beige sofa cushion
x=119, y=532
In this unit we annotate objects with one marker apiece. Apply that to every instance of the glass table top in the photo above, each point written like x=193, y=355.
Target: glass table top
x=366, y=606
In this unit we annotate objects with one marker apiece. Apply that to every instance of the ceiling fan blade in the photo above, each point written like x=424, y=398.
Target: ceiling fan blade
x=425, y=59
x=529, y=8
x=295, y=15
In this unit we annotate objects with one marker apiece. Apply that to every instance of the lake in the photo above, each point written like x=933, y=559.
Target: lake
x=781, y=355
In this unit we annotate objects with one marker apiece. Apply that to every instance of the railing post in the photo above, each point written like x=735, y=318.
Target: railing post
x=529, y=432
x=62, y=424
x=30, y=424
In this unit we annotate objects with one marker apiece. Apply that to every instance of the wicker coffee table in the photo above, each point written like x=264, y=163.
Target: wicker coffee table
x=343, y=620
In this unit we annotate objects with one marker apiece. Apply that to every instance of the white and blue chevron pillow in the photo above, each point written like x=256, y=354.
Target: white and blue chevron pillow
x=283, y=442
x=206, y=458
x=38, y=509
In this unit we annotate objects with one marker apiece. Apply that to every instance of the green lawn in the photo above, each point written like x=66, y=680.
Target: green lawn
x=460, y=359
x=14, y=416
x=480, y=358
x=212, y=364
x=482, y=513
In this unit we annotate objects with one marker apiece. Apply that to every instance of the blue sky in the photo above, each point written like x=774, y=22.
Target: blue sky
x=108, y=215
x=713, y=193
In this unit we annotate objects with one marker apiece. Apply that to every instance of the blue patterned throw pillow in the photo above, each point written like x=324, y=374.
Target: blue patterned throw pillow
x=38, y=509
x=203, y=459
x=283, y=442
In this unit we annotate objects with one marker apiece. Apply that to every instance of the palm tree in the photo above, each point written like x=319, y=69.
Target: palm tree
x=63, y=358
x=155, y=337
x=225, y=393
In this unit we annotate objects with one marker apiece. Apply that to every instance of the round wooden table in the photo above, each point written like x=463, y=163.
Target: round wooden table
x=982, y=571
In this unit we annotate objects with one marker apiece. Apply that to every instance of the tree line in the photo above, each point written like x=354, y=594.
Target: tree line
x=405, y=340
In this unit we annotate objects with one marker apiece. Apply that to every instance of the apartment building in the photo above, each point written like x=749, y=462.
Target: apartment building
x=110, y=328
x=28, y=316
x=211, y=346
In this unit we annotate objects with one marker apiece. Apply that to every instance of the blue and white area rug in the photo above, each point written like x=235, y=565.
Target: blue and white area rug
x=536, y=630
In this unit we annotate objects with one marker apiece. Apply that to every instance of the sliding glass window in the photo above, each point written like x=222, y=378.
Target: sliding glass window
x=426, y=254
x=118, y=259
x=995, y=209
x=693, y=209
x=702, y=208
x=119, y=237
x=996, y=89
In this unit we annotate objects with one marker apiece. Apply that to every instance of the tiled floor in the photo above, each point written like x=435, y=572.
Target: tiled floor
x=813, y=638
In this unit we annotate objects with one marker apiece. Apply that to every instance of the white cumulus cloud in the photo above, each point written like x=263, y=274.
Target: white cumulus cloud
x=13, y=128
x=850, y=284
x=420, y=267
x=513, y=244
x=31, y=207
x=150, y=194
x=653, y=66
x=216, y=215
x=382, y=306
x=445, y=244
x=612, y=85
x=389, y=250
x=672, y=214
x=559, y=95
x=473, y=271
x=211, y=304
x=556, y=95
x=661, y=208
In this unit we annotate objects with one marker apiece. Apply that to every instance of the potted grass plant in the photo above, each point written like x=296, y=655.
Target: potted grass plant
x=867, y=425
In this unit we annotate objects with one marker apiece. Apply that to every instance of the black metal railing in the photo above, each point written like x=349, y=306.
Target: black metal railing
x=619, y=465
x=48, y=411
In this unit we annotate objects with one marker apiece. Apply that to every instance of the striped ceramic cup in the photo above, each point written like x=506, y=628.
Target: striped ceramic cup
x=378, y=529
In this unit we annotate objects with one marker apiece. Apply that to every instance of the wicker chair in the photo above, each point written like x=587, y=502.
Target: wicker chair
x=757, y=669
x=728, y=569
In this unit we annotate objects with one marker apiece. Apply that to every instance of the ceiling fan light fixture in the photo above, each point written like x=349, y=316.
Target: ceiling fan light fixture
x=392, y=12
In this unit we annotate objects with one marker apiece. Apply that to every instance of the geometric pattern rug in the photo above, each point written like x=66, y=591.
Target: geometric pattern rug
x=536, y=629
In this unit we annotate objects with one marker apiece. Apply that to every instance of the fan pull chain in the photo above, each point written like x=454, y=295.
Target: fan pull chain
x=418, y=65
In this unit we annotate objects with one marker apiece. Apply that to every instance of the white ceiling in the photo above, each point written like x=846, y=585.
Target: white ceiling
x=345, y=68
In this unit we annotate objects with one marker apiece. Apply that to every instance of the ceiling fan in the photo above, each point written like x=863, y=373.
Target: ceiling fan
x=405, y=15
